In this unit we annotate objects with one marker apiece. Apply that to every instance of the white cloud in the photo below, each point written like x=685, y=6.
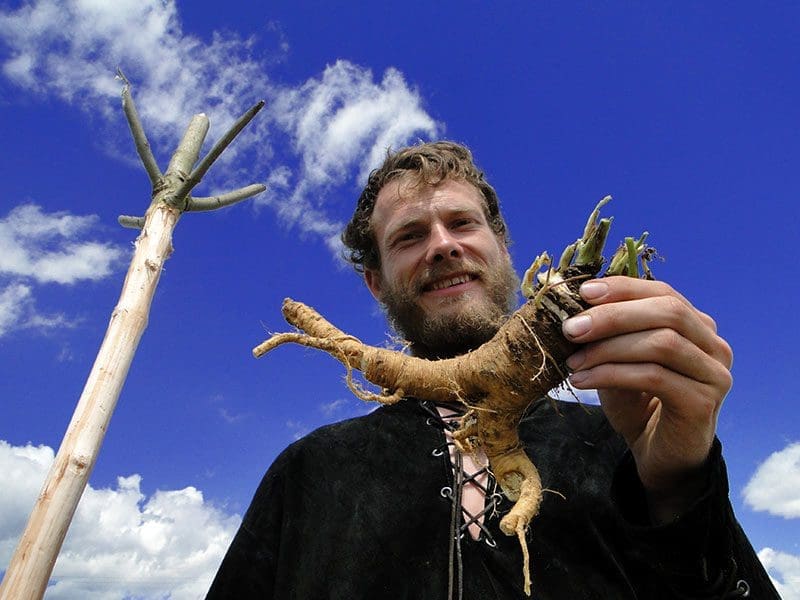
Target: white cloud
x=334, y=407
x=15, y=300
x=121, y=543
x=231, y=417
x=18, y=311
x=298, y=429
x=44, y=247
x=71, y=50
x=784, y=570
x=338, y=125
x=775, y=486
x=345, y=118
x=22, y=470
x=41, y=248
x=346, y=408
x=341, y=125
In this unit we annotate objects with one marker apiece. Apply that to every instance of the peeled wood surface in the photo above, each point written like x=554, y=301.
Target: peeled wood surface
x=33, y=561
x=38, y=548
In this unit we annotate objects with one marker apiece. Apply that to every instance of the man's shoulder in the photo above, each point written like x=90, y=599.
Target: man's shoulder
x=384, y=425
x=393, y=438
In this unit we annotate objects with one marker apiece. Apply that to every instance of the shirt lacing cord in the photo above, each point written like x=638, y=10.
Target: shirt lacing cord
x=478, y=494
x=470, y=519
x=447, y=418
x=470, y=489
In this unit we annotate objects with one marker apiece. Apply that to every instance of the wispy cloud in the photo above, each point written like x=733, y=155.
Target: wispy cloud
x=121, y=543
x=39, y=248
x=71, y=51
x=345, y=408
x=775, y=486
x=340, y=126
x=47, y=247
x=298, y=429
x=15, y=301
x=329, y=409
x=230, y=417
x=784, y=569
x=328, y=132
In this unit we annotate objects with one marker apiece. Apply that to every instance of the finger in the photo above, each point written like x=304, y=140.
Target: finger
x=707, y=320
x=678, y=394
x=663, y=346
x=661, y=312
x=620, y=288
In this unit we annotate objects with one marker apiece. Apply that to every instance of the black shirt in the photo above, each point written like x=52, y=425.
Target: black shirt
x=356, y=510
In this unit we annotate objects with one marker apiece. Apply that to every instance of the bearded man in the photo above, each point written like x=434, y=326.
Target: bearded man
x=384, y=506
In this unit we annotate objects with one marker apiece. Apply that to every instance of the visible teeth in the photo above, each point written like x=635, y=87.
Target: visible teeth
x=440, y=285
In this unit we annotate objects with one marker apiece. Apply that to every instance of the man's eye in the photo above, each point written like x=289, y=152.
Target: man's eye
x=409, y=236
x=462, y=223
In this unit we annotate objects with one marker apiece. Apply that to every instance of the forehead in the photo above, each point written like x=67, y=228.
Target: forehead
x=402, y=199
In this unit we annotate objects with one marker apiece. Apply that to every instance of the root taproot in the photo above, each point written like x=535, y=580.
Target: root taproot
x=497, y=381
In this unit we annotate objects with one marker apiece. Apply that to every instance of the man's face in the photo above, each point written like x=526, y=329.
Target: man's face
x=446, y=279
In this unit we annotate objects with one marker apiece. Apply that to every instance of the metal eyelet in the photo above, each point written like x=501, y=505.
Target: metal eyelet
x=446, y=492
x=437, y=452
x=490, y=542
x=742, y=589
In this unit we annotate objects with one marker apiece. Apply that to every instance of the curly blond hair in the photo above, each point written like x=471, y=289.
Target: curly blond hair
x=426, y=164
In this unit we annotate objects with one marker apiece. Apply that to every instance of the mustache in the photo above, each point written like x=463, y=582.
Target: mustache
x=440, y=271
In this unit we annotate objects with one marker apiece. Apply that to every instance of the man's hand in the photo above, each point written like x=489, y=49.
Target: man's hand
x=661, y=372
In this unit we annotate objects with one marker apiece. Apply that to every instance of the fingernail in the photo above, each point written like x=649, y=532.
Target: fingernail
x=578, y=377
x=591, y=290
x=577, y=326
x=576, y=360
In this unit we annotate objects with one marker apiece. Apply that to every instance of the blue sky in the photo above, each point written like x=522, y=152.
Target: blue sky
x=686, y=113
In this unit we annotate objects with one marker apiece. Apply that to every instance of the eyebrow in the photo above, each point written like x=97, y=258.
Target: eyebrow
x=407, y=223
x=414, y=220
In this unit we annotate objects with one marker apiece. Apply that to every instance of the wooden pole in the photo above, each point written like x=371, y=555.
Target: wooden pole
x=33, y=560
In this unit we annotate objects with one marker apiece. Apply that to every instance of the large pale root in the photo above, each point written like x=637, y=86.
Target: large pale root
x=498, y=380
x=520, y=481
x=389, y=369
x=476, y=379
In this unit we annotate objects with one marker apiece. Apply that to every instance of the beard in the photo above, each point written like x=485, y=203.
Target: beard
x=452, y=332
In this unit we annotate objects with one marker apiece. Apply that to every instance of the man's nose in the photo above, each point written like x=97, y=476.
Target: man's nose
x=442, y=245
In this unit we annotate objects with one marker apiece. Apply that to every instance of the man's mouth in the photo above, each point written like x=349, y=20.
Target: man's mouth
x=449, y=282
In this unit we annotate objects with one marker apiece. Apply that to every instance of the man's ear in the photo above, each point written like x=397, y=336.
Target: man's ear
x=374, y=282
